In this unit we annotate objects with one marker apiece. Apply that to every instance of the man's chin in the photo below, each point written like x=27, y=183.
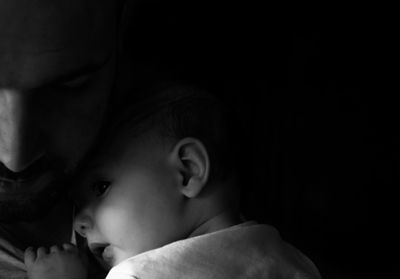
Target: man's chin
x=32, y=207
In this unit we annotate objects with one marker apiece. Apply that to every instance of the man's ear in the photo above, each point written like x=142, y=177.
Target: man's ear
x=191, y=157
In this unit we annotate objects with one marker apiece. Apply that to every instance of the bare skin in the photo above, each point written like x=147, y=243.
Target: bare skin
x=57, y=65
x=140, y=193
x=59, y=261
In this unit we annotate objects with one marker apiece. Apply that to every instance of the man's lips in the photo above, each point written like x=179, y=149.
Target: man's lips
x=32, y=180
x=23, y=188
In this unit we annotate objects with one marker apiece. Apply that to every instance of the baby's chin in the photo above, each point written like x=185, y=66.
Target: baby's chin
x=114, y=256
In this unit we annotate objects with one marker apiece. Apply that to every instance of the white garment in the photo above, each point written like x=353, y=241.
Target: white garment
x=246, y=251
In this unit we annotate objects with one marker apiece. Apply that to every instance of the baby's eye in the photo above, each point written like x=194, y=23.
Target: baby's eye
x=100, y=187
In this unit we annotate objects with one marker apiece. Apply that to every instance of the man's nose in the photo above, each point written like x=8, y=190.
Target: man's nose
x=18, y=135
x=83, y=223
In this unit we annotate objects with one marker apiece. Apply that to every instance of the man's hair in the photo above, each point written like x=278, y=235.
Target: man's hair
x=181, y=111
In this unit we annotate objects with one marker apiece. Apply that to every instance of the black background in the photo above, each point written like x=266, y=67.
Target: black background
x=321, y=139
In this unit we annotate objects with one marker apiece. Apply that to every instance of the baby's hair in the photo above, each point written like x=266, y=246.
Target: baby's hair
x=180, y=111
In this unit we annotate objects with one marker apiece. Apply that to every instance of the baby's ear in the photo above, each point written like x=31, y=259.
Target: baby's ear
x=191, y=158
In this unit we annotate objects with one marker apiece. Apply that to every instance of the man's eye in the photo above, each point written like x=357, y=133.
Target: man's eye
x=73, y=85
x=100, y=187
x=77, y=82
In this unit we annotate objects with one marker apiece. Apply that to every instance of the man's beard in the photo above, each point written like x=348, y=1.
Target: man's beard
x=33, y=207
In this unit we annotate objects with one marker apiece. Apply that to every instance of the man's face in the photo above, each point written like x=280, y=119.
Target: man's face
x=57, y=63
x=130, y=200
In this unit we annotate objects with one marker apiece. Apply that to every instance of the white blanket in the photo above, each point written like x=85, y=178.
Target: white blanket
x=246, y=251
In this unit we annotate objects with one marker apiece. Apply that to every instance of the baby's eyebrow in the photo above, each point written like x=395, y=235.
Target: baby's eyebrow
x=90, y=168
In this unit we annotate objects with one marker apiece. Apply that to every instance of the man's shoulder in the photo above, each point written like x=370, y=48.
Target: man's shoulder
x=11, y=258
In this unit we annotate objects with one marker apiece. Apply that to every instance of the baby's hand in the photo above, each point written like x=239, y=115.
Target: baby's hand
x=57, y=263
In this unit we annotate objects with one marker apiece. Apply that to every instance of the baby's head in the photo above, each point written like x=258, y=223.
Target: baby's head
x=165, y=168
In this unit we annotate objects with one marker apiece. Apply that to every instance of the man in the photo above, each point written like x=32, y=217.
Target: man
x=57, y=66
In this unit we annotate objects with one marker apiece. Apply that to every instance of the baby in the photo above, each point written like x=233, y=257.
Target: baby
x=160, y=200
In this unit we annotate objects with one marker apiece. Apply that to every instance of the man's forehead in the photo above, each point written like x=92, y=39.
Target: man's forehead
x=39, y=35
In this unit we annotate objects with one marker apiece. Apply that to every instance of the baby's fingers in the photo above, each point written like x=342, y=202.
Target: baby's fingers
x=29, y=256
x=41, y=252
x=54, y=249
x=69, y=247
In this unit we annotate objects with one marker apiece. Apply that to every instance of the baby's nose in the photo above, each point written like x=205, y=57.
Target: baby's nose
x=82, y=224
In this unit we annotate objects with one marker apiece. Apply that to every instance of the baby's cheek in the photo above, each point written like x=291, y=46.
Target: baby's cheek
x=111, y=220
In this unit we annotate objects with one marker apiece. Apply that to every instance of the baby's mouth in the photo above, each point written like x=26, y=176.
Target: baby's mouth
x=103, y=252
